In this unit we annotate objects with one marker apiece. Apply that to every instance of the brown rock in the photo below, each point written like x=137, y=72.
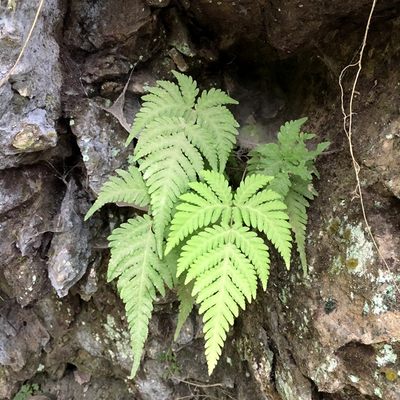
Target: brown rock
x=158, y=3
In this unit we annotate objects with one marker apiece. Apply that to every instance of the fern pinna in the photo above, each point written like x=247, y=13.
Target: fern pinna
x=292, y=166
x=217, y=232
x=141, y=274
x=225, y=255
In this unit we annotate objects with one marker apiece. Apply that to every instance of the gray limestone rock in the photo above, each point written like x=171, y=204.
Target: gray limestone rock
x=30, y=100
x=29, y=199
x=101, y=140
x=70, y=250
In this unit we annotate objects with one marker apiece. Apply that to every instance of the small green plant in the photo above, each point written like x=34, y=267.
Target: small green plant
x=168, y=357
x=26, y=391
x=292, y=166
x=210, y=242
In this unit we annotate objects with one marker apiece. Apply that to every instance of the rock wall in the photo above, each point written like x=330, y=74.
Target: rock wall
x=64, y=115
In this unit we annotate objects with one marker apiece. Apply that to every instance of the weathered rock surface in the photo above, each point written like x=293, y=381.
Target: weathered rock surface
x=101, y=140
x=22, y=338
x=30, y=100
x=331, y=336
x=29, y=197
x=68, y=257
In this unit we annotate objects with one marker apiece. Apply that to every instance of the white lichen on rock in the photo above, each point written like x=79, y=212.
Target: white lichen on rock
x=354, y=378
x=327, y=367
x=121, y=340
x=360, y=249
x=386, y=356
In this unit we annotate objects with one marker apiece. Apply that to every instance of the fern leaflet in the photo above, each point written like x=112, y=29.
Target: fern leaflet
x=253, y=204
x=167, y=174
x=297, y=201
x=140, y=272
x=186, y=303
x=164, y=100
x=127, y=187
x=224, y=264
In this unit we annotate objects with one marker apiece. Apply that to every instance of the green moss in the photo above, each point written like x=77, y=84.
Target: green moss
x=351, y=263
x=347, y=235
x=390, y=374
x=26, y=391
x=334, y=227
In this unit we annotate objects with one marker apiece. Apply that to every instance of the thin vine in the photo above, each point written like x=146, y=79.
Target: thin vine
x=348, y=129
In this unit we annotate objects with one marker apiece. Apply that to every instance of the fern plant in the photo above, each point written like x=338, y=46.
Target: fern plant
x=199, y=236
x=292, y=165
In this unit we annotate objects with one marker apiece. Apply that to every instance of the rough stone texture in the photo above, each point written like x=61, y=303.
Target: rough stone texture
x=101, y=140
x=22, y=339
x=292, y=24
x=30, y=101
x=125, y=29
x=231, y=21
x=29, y=200
x=332, y=336
x=286, y=26
x=69, y=257
x=158, y=3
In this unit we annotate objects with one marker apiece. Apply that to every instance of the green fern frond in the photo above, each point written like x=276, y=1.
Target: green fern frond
x=215, y=119
x=163, y=100
x=207, y=203
x=255, y=249
x=253, y=205
x=203, y=140
x=188, y=88
x=297, y=201
x=219, y=185
x=220, y=232
x=225, y=259
x=292, y=165
x=127, y=187
x=186, y=303
x=250, y=187
x=289, y=156
x=213, y=98
x=173, y=145
x=222, y=127
x=291, y=129
x=225, y=276
x=140, y=272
